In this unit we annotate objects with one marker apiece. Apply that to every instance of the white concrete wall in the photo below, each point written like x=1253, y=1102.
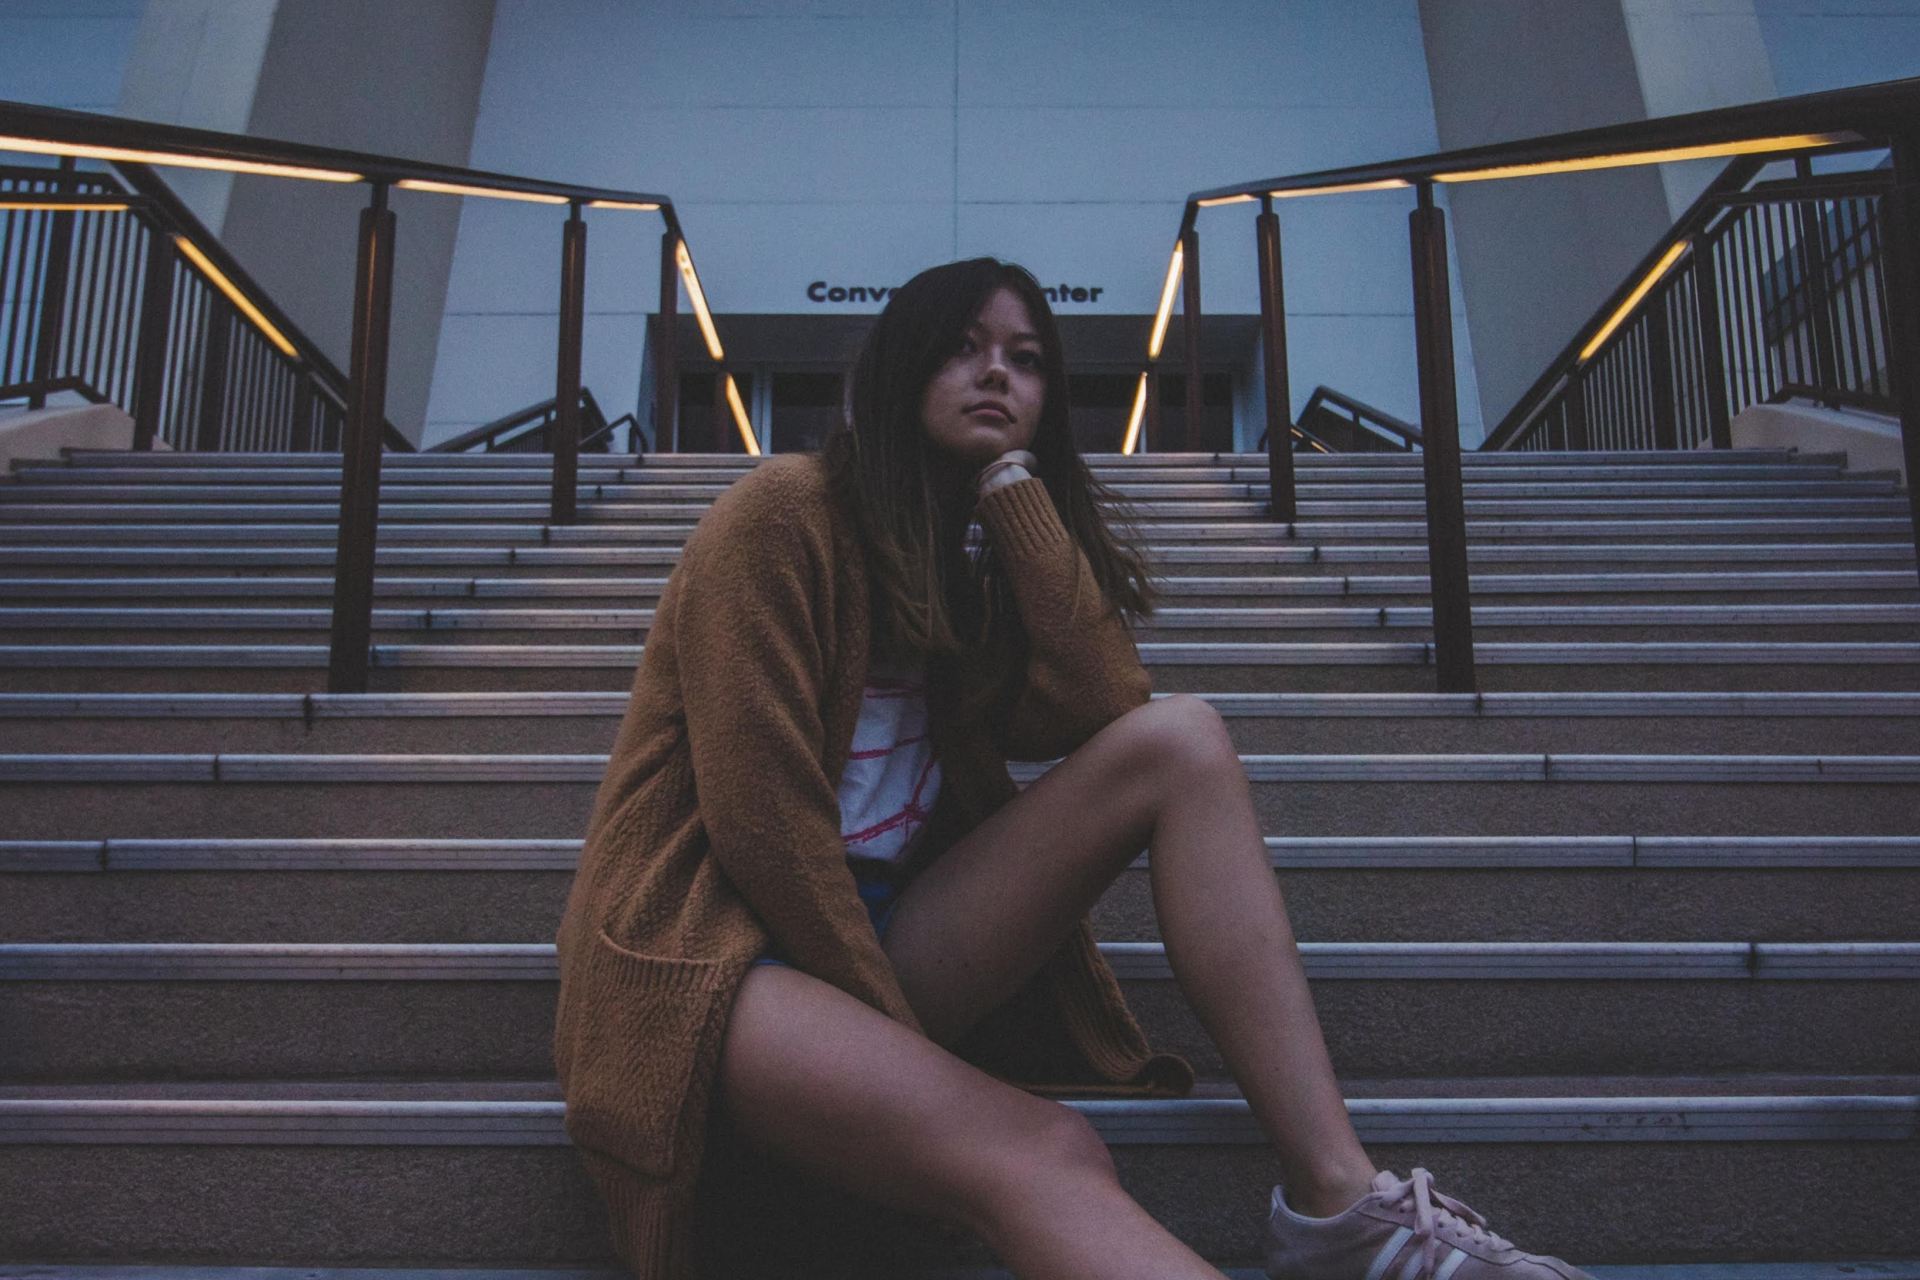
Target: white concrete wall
x=860, y=141
x=66, y=53
x=1824, y=44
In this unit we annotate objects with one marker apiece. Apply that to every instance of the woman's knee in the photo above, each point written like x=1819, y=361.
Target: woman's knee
x=1178, y=734
x=1053, y=1142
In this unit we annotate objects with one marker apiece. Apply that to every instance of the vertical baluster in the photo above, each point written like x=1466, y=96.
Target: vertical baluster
x=1713, y=368
x=217, y=342
x=150, y=359
x=565, y=437
x=1657, y=335
x=1190, y=436
x=1282, y=482
x=53, y=292
x=1902, y=257
x=666, y=374
x=352, y=631
x=118, y=383
x=1440, y=454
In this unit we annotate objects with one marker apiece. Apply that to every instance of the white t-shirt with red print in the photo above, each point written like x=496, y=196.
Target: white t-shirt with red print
x=892, y=776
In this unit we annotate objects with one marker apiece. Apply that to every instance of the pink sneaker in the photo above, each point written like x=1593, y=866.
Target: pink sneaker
x=1401, y=1230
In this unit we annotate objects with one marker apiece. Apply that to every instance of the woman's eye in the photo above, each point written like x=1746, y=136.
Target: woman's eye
x=1031, y=359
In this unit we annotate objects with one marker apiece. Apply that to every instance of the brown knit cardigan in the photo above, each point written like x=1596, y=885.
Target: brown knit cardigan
x=718, y=826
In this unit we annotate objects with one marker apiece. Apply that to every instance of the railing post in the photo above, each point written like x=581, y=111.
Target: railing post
x=1440, y=448
x=1576, y=400
x=360, y=449
x=213, y=372
x=1666, y=426
x=1706, y=301
x=1814, y=264
x=565, y=434
x=53, y=291
x=300, y=438
x=1190, y=314
x=1150, y=438
x=1283, y=497
x=150, y=367
x=1901, y=261
x=666, y=375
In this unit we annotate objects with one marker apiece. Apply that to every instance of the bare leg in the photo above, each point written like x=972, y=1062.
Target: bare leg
x=1164, y=775
x=840, y=1091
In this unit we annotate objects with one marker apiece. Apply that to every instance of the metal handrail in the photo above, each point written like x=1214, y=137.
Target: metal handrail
x=73, y=135
x=1732, y=188
x=43, y=387
x=1885, y=114
x=495, y=437
x=1363, y=415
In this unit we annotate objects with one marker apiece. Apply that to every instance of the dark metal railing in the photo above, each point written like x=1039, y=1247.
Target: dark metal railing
x=1848, y=254
x=110, y=279
x=1761, y=291
x=1333, y=422
x=101, y=291
x=530, y=430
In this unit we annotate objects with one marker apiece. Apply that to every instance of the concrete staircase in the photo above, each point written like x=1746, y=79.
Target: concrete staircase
x=1626, y=948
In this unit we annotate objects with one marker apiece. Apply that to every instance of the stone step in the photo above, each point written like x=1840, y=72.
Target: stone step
x=594, y=470
x=1423, y=888
x=591, y=512
x=1099, y=463
x=197, y=1010
x=676, y=499
x=1751, y=723
x=550, y=796
x=608, y=623
x=1331, y=664
x=1306, y=562
x=479, y=1173
x=1787, y=586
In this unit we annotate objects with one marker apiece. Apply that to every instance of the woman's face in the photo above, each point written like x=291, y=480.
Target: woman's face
x=986, y=399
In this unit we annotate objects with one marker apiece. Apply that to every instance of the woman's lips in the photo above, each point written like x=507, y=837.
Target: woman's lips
x=991, y=411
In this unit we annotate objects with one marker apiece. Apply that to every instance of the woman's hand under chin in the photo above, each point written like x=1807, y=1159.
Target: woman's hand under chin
x=1010, y=467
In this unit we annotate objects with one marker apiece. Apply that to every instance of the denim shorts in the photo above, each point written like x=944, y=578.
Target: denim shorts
x=877, y=891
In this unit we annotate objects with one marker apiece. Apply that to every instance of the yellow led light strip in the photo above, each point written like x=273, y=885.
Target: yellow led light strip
x=40, y=147
x=1165, y=313
x=1343, y=188
x=61, y=206
x=623, y=204
x=1134, y=418
x=698, y=297
x=460, y=189
x=237, y=298
x=1217, y=201
x=740, y=417
x=1640, y=291
x=1626, y=159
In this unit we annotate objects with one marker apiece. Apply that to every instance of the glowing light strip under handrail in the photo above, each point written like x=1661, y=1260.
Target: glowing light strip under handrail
x=63, y=206
x=1165, y=313
x=41, y=147
x=240, y=300
x=1666, y=155
x=1343, y=188
x=698, y=297
x=461, y=189
x=643, y=207
x=1134, y=418
x=1633, y=299
x=740, y=417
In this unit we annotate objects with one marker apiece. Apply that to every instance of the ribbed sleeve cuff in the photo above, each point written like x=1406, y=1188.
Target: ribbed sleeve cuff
x=1021, y=518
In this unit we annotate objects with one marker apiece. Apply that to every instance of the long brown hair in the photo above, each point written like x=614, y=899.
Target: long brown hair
x=913, y=503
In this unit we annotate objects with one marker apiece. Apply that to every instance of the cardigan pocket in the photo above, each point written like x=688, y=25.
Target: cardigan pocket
x=641, y=1028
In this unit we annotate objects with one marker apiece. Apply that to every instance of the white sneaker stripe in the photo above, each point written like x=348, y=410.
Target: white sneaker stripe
x=1451, y=1265
x=1415, y=1256
x=1384, y=1258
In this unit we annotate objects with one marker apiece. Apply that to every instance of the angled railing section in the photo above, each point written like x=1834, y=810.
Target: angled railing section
x=112, y=281
x=1332, y=422
x=1761, y=291
x=1882, y=255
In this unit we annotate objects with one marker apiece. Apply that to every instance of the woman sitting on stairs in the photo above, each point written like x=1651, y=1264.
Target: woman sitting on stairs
x=811, y=897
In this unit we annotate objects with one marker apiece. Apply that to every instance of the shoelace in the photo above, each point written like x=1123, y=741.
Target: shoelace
x=1427, y=1219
